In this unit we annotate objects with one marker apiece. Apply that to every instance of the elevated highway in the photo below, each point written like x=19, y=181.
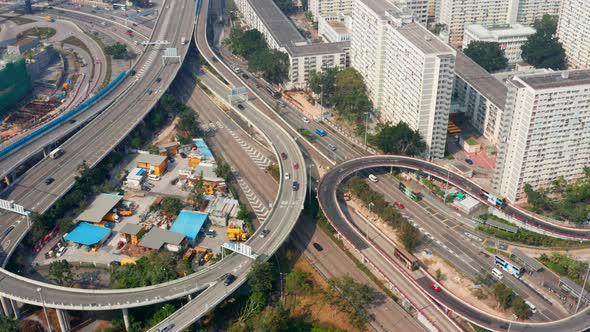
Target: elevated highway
x=329, y=202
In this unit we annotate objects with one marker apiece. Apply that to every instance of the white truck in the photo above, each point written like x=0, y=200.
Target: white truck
x=56, y=153
x=183, y=40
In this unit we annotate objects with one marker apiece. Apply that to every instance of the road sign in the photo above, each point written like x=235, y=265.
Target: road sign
x=240, y=248
x=10, y=206
x=238, y=91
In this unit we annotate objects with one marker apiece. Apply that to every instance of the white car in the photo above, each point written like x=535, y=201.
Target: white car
x=306, y=120
x=287, y=176
x=61, y=251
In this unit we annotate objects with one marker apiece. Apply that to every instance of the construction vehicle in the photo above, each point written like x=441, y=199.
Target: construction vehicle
x=125, y=212
x=236, y=234
x=111, y=217
x=188, y=254
x=49, y=19
x=127, y=261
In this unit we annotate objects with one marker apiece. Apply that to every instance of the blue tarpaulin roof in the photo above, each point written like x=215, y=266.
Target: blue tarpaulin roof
x=189, y=223
x=203, y=148
x=87, y=234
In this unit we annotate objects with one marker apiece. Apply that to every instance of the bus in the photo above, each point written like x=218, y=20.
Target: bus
x=497, y=274
x=508, y=266
x=415, y=196
x=407, y=258
x=56, y=153
x=495, y=201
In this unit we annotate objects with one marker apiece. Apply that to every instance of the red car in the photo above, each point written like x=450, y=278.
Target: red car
x=435, y=287
x=295, y=165
x=399, y=205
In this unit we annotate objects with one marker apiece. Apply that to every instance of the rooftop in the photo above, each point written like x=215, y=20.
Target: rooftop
x=423, y=39
x=222, y=206
x=530, y=263
x=277, y=23
x=207, y=169
x=499, y=31
x=472, y=73
x=157, y=237
x=87, y=234
x=189, y=223
x=378, y=6
x=319, y=48
x=152, y=159
x=131, y=229
x=100, y=207
x=557, y=79
x=203, y=148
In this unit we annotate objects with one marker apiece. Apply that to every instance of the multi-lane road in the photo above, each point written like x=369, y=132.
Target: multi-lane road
x=379, y=250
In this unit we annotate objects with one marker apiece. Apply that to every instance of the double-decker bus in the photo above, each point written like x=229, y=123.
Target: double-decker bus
x=508, y=266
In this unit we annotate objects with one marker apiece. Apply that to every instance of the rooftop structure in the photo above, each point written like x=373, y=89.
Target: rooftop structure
x=131, y=229
x=511, y=37
x=87, y=234
x=157, y=237
x=529, y=263
x=283, y=30
x=101, y=206
x=221, y=209
x=152, y=159
x=189, y=223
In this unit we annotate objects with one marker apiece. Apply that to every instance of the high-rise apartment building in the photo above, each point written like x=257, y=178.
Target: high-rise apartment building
x=527, y=11
x=545, y=131
x=573, y=31
x=511, y=37
x=456, y=14
x=326, y=8
x=408, y=71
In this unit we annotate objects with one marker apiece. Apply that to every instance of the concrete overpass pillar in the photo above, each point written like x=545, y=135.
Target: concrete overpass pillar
x=8, y=179
x=62, y=317
x=15, y=310
x=5, y=307
x=126, y=318
x=190, y=297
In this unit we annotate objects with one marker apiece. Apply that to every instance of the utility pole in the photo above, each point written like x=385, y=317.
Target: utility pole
x=309, y=183
x=583, y=290
x=44, y=309
x=369, y=218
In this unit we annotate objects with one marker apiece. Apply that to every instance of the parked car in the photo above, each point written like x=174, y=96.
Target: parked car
x=61, y=251
x=49, y=180
x=264, y=233
x=435, y=287
x=284, y=156
x=241, y=107
x=469, y=161
x=317, y=246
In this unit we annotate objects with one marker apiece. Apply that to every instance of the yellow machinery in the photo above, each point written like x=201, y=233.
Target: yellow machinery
x=125, y=212
x=127, y=261
x=236, y=234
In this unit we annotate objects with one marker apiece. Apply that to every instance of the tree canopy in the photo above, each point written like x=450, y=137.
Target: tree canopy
x=8, y=325
x=250, y=44
x=520, y=308
x=158, y=267
x=489, y=55
x=350, y=97
x=171, y=205
x=117, y=50
x=324, y=85
x=399, y=139
x=60, y=272
x=358, y=296
x=543, y=49
x=503, y=294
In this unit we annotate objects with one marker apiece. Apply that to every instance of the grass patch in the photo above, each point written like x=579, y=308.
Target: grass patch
x=495, y=251
x=471, y=141
x=306, y=133
x=274, y=171
x=41, y=33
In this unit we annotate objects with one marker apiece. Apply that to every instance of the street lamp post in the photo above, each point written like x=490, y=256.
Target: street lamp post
x=369, y=219
x=366, y=127
x=44, y=309
x=309, y=183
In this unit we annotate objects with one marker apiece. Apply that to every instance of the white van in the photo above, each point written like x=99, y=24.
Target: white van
x=532, y=306
x=373, y=178
x=154, y=177
x=497, y=274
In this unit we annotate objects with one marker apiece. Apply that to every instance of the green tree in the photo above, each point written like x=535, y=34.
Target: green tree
x=298, y=282
x=117, y=50
x=260, y=277
x=272, y=319
x=324, y=85
x=503, y=295
x=171, y=205
x=223, y=170
x=520, y=308
x=489, y=55
x=409, y=236
x=60, y=272
x=543, y=49
x=399, y=139
x=350, y=97
x=66, y=225
x=273, y=64
x=286, y=6
x=359, y=296
x=197, y=195
x=164, y=312
x=188, y=123
x=8, y=325
x=246, y=43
